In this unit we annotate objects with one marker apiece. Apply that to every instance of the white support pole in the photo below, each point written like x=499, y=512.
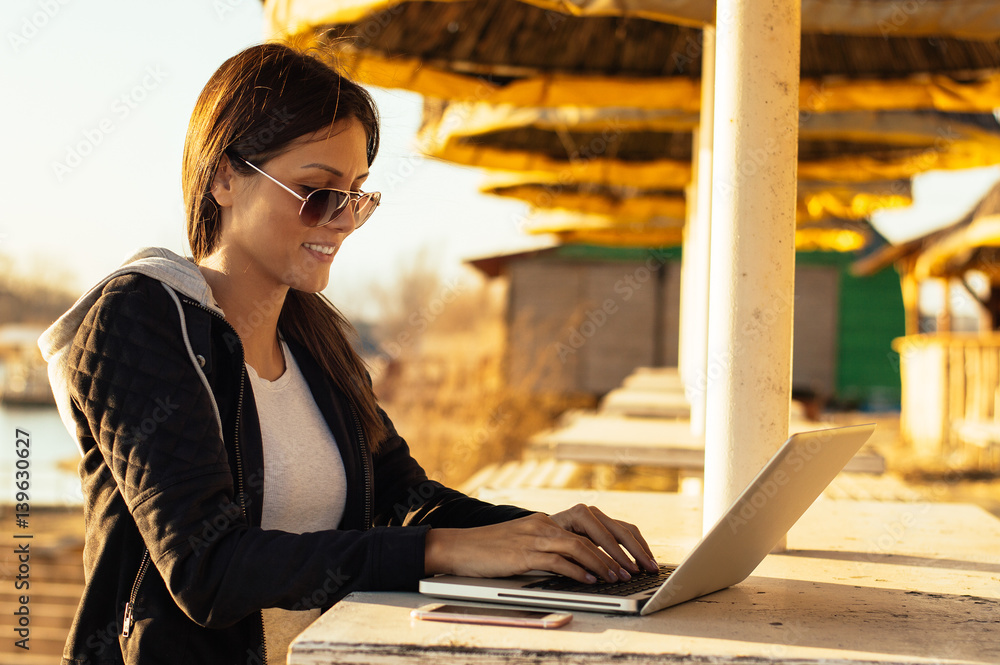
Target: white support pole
x=697, y=250
x=752, y=244
x=685, y=361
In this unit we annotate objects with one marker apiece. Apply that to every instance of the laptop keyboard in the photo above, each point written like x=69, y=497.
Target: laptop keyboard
x=642, y=581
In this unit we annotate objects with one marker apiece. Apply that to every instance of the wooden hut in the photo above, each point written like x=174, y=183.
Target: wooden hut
x=581, y=318
x=950, y=380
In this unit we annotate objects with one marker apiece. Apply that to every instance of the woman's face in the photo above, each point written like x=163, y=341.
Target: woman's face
x=262, y=236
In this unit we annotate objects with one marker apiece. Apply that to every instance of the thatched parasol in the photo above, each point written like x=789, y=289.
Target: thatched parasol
x=817, y=200
x=573, y=227
x=510, y=51
x=971, y=243
x=633, y=165
x=645, y=55
x=856, y=146
x=968, y=19
x=640, y=63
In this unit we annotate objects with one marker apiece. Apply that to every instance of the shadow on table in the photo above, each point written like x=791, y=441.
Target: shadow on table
x=897, y=560
x=781, y=615
x=793, y=613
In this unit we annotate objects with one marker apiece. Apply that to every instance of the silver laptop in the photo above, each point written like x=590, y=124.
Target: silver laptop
x=769, y=506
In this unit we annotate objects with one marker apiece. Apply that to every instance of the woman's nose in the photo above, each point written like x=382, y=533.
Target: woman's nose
x=346, y=220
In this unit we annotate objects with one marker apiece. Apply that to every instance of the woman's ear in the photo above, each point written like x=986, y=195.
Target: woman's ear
x=222, y=183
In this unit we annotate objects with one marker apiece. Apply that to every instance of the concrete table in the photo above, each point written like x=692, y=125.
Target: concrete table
x=861, y=582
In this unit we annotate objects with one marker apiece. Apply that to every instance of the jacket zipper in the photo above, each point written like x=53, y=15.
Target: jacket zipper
x=129, y=606
x=127, y=619
x=366, y=462
x=238, y=451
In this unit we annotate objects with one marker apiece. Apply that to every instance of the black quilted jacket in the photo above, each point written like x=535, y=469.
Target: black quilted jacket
x=177, y=566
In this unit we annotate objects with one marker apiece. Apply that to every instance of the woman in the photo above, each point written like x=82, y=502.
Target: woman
x=239, y=474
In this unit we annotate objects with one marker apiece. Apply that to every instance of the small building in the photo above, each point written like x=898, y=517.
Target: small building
x=581, y=318
x=950, y=372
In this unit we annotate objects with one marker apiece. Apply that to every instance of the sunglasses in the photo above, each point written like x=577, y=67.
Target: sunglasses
x=322, y=206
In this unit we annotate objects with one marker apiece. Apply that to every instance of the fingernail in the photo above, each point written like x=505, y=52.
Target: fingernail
x=611, y=574
x=623, y=574
x=590, y=578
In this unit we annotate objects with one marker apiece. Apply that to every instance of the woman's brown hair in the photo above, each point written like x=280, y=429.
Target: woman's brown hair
x=255, y=105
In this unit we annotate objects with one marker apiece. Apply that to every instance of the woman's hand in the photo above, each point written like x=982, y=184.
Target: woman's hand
x=563, y=543
x=610, y=534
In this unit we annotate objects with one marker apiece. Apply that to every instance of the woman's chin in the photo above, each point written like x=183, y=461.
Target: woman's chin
x=314, y=285
x=308, y=277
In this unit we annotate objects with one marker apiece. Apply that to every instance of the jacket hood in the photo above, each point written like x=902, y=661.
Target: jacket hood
x=173, y=270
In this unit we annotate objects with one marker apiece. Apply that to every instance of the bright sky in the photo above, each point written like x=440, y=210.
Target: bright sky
x=99, y=95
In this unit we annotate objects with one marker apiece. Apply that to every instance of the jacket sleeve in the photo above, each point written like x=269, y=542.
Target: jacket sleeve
x=405, y=496
x=154, y=419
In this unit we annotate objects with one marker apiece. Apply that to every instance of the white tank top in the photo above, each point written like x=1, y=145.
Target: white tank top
x=305, y=486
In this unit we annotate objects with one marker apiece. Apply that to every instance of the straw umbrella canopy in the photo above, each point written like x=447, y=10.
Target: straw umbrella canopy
x=630, y=167
x=574, y=227
x=507, y=51
x=969, y=19
x=645, y=56
x=817, y=200
x=971, y=243
x=653, y=149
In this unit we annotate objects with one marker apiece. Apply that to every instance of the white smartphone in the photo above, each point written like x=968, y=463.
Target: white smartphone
x=491, y=616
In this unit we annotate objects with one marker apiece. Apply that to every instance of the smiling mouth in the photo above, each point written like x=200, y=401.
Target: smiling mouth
x=322, y=249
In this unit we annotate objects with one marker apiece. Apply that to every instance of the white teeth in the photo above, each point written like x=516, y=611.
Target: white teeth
x=323, y=249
